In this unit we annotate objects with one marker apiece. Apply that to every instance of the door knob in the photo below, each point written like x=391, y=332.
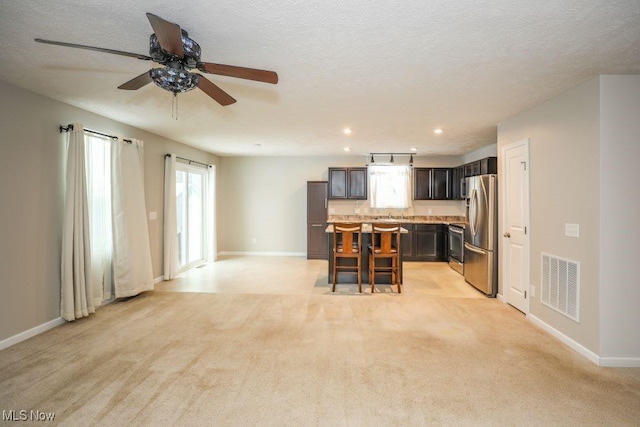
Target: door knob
x=507, y=234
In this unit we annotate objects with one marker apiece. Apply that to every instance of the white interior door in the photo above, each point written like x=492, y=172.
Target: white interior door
x=515, y=255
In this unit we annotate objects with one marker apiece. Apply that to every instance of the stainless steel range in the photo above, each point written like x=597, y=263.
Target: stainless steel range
x=456, y=247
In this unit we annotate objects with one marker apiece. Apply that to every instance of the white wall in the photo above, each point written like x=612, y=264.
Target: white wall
x=481, y=153
x=620, y=215
x=584, y=151
x=564, y=188
x=32, y=163
x=265, y=198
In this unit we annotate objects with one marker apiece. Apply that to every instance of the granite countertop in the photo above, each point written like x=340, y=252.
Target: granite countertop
x=415, y=219
x=366, y=228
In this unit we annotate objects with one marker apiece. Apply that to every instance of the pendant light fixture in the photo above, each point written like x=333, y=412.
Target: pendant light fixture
x=392, y=159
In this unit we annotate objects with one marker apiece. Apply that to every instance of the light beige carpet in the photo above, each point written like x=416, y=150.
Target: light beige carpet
x=316, y=358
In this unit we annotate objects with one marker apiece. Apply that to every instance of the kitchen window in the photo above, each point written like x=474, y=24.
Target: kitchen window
x=390, y=186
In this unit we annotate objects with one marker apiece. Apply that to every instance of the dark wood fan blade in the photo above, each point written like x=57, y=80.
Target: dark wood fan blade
x=137, y=82
x=239, y=72
x=98, y=49
x=220, y=96
x=169, y=34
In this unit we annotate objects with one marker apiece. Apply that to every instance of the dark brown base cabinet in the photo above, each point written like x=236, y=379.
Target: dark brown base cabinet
x=425, y=242
x=317, y=241
x=317, y=220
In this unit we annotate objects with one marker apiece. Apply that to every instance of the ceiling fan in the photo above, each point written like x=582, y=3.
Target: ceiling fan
x=171, y=46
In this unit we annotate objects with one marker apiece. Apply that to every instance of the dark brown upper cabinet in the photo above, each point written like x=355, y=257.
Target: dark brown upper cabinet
x=472, y=169
x=457, y=183
x=432, y=183
x=348, y=183
x=481, y=167
x=488, y=165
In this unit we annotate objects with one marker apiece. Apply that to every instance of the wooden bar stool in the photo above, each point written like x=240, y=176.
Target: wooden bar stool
x=347, y=243
x=385, y=244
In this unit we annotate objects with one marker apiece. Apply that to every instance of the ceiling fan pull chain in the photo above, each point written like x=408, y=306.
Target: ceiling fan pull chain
x=174, y=106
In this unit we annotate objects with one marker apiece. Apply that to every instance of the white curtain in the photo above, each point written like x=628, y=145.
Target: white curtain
x=76, y=296
x=390, y=186
x=170, y=225
x=210, y=215
x=132, y=270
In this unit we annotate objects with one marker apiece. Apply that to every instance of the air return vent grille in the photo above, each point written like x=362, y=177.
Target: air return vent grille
x=561, y=285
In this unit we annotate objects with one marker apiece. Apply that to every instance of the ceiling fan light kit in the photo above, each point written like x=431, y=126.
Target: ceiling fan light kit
x=174, y=80
x=172, y=47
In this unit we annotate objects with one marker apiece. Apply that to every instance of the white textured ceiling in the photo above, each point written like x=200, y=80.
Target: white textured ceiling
x=391, y=70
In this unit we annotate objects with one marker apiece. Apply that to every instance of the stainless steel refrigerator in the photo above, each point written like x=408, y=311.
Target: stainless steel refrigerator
x=481, y=234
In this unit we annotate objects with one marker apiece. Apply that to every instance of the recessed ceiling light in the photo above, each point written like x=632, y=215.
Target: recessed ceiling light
x=347, y=131
x=414, y=149
x=347, y=149
x=438, y=131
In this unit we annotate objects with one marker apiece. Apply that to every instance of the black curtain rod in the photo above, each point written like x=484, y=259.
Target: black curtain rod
x=69, y=127
x=190, y=161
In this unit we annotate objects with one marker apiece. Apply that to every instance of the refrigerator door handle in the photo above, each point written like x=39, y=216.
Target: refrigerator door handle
x=473, y=211
x=476, y=250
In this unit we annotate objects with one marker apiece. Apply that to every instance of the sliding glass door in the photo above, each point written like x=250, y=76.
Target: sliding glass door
x=190, y=206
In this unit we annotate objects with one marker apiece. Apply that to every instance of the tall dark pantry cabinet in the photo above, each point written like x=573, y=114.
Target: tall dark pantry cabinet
x=317, y=193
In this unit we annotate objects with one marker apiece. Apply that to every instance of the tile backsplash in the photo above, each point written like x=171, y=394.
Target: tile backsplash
x=419, y=208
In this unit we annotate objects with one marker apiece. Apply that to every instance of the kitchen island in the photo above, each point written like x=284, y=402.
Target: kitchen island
x=350, y=277
x=424, y=238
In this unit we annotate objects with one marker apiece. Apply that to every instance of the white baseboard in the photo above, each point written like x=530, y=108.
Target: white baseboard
x=301, y=254
x=620, y=362
x=582, y=350
x=22, y=336
x=611, y=362
x=158, y=279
